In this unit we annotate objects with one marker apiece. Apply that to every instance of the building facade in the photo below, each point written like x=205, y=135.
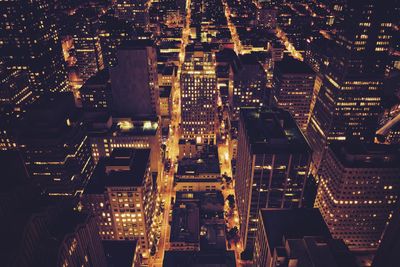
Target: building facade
x=55, y=147
x=293, y=87
x=88, y=53
x=249, y=85
x=358, y=191
x=198, y=95
x=349, y=100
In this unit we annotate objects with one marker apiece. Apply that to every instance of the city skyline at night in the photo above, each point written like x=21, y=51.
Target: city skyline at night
x=187, y=133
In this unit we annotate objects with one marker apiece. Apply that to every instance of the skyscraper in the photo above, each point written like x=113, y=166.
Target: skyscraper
x=293, y=89
x=358, y=191
x=29, y=40
x=249, y=85
x=272, y=166
x=55, y=147
x=113, y=32
x=89, y=57
x=348, y=103
x=122, y=194
x=199, y=94
x=299, y=237
x=134, y=83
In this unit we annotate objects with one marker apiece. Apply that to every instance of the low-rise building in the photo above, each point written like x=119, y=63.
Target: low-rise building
x=198, y=174
x=198, y=222
x=165, y=101
x=185, y=229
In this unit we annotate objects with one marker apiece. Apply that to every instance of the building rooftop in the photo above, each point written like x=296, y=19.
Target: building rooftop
x=165, y=91
x=185, y=226
x=290, y=65
x=122, y=126
x=208, y=200
x=215, y=258
x=53, y=120
x=119, y=253
x=125, y=167
x=318, y=251
x=100, y=78
x=192, y=166
x=283, y=224
x=362, y=155
x=272, y=131
x=13, y=171
x=136, y=44
x=169, y=70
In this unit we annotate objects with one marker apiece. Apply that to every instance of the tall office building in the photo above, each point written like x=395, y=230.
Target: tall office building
x=249, y=85
x=134, y=81
x=348, y=103
x=272, y=166
x=136, y=11
x=293, y=87
x=122, y=195
x=358, y=191
x=198, y=94
x=54, y=145
x=88, y=54
x=29, y=40
x=113, y=32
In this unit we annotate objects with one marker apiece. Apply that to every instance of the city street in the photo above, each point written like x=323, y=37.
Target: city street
x=167, y=191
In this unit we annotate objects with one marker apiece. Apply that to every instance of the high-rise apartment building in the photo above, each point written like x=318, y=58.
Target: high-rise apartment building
x=358, y=191
x=122, y=195
x=88, y=54
x=198, y=95
x=54, y=145
x=249, y=85
x=348, y=103
x=134, y=81
x=29, y=41
x=293, y=87
x=272, y=166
